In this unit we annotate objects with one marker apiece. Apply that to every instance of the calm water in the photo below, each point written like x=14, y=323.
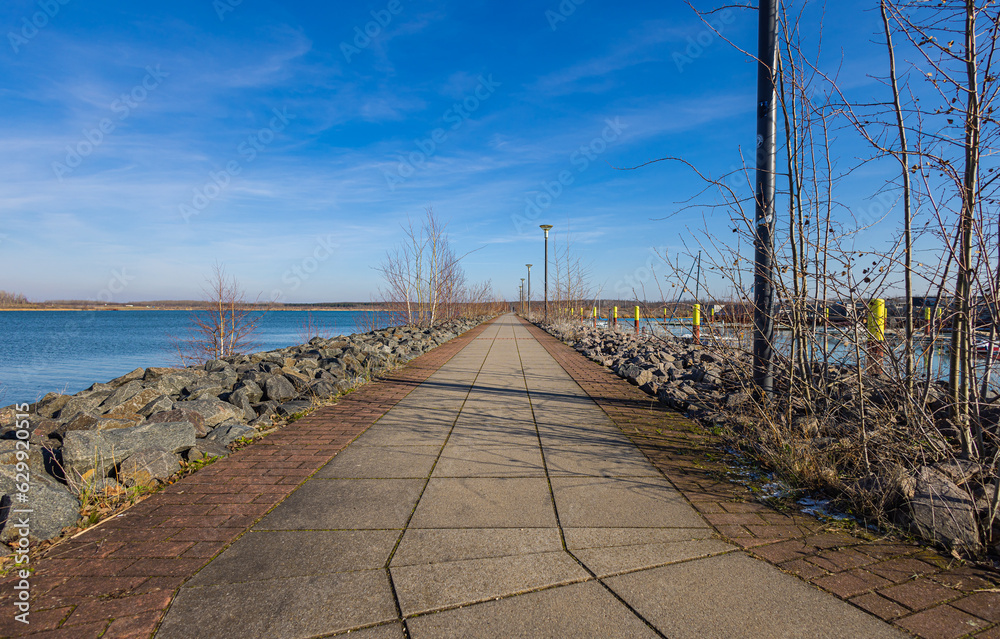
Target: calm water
x=67, y=351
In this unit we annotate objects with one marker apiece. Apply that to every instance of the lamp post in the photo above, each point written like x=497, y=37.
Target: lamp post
x=529, y=290
x=763, y=285
x=546, y=227
x=522, y=296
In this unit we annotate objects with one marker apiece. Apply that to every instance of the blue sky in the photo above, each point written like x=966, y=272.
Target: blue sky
x=142, y=144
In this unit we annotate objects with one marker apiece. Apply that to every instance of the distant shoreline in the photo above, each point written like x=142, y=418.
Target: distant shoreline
x=323, y=309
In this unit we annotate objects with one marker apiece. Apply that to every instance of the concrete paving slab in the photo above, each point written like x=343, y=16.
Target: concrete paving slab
x=599, y=461
x=404, y=433
x=485, y=503
x=429, y=546
x=580, y=610
x=512, y=460
x=605, y=562
x=291, y=608
x=300, y=553
x=564, y=436
x=581, y=538
x=436, y=586
x=516, y=433
x=736, y=596
x=346, y=504
x=371, y=462
x=594, y=502
x=386, y=631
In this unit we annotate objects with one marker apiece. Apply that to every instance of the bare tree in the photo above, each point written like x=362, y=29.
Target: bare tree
x=225, y=328
x=423, y=279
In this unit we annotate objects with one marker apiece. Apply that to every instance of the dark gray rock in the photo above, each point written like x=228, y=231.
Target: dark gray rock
x=292, y=407
x=207, y=448
x=279, y=389
x=323, y=388
x=216, y=365
x=240, y=400
x=54, y=508
x=100, y=451
x=120, y=395
x=80, y=404
x=214, y=411
x=230, y=431
x=50, y=405
x=133, y=376
x=144, y=466
x=253, y=391
x=181, y=415
x=943, y=512
x=160, y=404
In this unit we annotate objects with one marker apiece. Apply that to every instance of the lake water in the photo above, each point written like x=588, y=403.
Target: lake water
x=67, y=351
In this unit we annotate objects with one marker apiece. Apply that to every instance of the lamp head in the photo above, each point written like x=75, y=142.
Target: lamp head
x=545, y=227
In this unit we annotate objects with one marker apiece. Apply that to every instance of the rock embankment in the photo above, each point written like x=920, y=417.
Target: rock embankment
x=916, y=480
x=135, y=430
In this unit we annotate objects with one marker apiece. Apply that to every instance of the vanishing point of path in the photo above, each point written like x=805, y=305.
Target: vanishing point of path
x=496, y=500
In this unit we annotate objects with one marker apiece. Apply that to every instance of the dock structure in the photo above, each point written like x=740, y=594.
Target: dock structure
x=499, y=486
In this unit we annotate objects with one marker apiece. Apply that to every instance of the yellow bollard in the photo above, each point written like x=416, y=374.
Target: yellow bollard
x=876, y=335
x=696, y=324
x=616, y=318
x=876, y=320
x=595, y=317
x=636, y=319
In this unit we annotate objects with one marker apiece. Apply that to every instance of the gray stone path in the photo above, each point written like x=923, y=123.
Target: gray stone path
x=496, y=500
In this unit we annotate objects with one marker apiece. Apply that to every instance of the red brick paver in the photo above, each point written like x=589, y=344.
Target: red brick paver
x=118, y=578
x=915, y=588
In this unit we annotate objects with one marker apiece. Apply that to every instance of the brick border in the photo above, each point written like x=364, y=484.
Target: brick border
x=914, y=588
x=118, y=578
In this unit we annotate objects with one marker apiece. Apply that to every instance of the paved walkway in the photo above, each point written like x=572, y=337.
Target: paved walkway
x=496, y=500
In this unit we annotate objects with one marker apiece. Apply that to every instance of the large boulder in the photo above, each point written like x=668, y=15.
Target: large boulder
x=144, y=466
x=51, y=404
x=121, y=394
x=253, y=391
x=133, y=404
x=101, y=451
x=53, y=508
x=213, y=411
x=943, y=512
x=81, y=403
x=279, y=389
x=160, y=404
x=135, y=375
x=240, y=399
x=181, y=415
x=229, y=432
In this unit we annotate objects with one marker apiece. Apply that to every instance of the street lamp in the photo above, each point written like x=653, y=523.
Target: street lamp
x=546, y=227
x=522, y=296
x=529, y=290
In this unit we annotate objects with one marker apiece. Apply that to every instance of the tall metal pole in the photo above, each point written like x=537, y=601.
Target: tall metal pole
x=546, y=227
x=529, y=290
x=763, y=289
x=522, y=296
